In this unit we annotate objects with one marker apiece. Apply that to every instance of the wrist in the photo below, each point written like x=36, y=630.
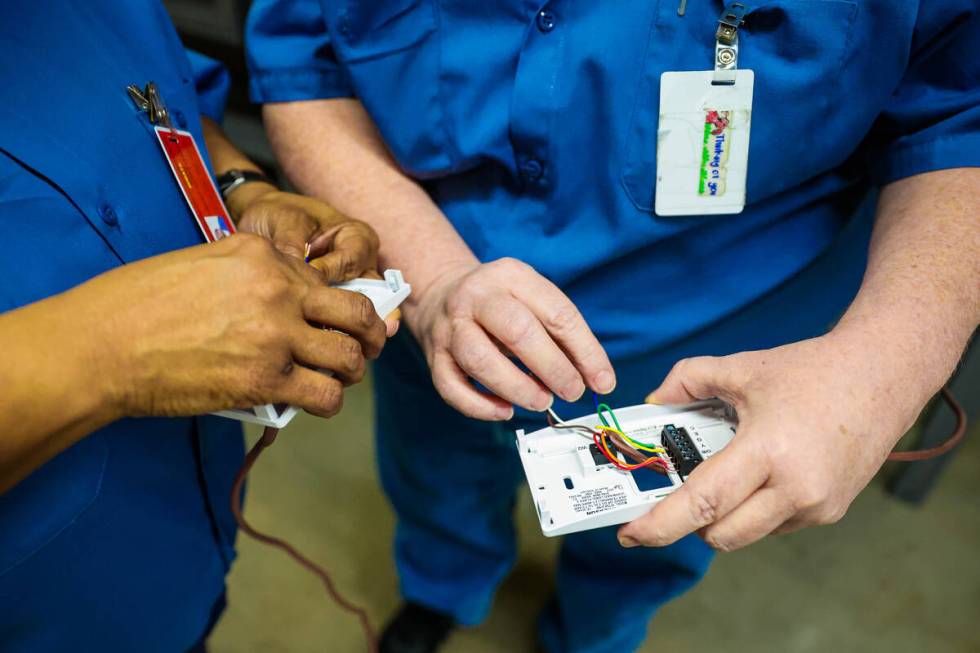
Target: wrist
x=241, y=197
x=898, y=376
x=424, y=289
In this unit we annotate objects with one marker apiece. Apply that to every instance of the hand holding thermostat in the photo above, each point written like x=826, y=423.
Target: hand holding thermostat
x=817, y=420
x=229, y=324
x=468, y=315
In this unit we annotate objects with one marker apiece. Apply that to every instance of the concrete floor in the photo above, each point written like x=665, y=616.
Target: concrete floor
x=889, y=577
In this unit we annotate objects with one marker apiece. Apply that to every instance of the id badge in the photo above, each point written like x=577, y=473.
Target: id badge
x=195, y=183
x=703, y=143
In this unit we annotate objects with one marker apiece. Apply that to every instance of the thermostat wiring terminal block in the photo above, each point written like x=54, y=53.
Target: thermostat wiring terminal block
x=576, y=488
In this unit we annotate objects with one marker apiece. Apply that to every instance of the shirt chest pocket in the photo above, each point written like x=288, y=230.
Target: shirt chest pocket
x=390, y=51
x=797, y=49
x=46, y=503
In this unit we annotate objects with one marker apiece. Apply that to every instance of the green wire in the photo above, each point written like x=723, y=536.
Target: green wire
x=605, y=408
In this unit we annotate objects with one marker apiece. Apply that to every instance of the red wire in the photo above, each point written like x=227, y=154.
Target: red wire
x=652, y=461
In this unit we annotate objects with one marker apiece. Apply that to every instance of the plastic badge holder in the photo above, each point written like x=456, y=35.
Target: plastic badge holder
x=575, y=489
x=386, y=296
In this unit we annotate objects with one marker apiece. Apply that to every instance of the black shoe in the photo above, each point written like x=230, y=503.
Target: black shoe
x=416, y=629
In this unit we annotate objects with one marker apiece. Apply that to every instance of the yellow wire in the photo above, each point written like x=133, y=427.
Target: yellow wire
x=638, y=445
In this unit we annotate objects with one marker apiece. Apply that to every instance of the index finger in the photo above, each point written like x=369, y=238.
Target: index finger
x=347, y=254
x=567, y=327
x=714, y=489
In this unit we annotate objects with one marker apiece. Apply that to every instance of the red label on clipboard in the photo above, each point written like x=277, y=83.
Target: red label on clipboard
x=195, y=183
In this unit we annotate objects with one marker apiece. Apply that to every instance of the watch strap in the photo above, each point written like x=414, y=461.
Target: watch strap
x=232, y=179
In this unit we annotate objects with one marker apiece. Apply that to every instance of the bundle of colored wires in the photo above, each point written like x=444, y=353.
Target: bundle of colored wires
x=654, y=458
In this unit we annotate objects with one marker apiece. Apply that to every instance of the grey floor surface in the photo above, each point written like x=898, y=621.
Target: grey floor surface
x=889, y=577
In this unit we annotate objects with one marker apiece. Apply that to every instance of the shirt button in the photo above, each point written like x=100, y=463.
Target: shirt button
x=108, y=215
x=546, y=21
x=531, y=169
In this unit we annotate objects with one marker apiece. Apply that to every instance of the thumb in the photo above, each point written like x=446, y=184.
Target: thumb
x=694, y=379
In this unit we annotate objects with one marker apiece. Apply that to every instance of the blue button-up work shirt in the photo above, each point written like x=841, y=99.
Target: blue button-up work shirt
x=533, y=125
x=121, y=542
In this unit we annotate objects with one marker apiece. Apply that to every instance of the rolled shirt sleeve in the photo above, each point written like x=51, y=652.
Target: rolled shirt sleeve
x=933, y=119
x=212, y=82
x=289, y=53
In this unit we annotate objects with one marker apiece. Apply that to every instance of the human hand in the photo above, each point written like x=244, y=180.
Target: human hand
x=225, y=325
x=339, y=246
x=470, y=318
x=817, y=419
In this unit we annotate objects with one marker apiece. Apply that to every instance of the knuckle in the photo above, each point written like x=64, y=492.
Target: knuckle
x=704, y=506
x=268, y=378
x=475, y=358
x=829, y=514
x=719, y=542
x=474, y=285
x=343, y=265
x=353, y=357
x=253, y=244
x=265, y=337
x=517, y=330
x=563, y=320
x=509, y=265
x=809, y=497
x=269, y=288
x=681, y=367
x=363, y=311
x=330, y=398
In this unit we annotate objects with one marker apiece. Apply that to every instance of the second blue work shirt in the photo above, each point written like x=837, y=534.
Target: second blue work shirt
x=120, y=543
x=533, y=125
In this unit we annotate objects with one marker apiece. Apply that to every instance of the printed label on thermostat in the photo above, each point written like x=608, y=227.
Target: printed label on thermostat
x=714, y=153
x=596, y=500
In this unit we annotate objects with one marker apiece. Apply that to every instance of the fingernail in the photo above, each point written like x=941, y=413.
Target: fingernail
x=627, y=542
x=605, y=382
x=504, y=414
x=544, y=403
x=574, y=391
x=652, y=398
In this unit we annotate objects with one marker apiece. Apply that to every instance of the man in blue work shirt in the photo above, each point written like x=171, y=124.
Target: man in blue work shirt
x=116, y=533
x=507, y=153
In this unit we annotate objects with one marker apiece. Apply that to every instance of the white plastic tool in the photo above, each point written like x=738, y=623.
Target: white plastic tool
x=386, y=296
x=575, y=488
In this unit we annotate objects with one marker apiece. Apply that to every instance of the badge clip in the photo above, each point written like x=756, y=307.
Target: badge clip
x=726, y=43
x=149, y=100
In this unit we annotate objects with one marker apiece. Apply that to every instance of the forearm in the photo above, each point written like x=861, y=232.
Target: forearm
x=919, y=302
x=54, y=391
x=330, y=149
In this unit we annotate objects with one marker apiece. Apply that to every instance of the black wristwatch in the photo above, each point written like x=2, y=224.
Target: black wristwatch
x=232, y=179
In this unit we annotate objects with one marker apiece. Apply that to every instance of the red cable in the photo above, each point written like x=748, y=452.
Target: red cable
x=268, y=437
x=952, y=441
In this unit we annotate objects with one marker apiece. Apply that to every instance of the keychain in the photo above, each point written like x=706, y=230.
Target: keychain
x=703, y=133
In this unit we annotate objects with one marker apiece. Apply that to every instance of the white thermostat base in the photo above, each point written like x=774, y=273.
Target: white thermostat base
x=574, y=488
